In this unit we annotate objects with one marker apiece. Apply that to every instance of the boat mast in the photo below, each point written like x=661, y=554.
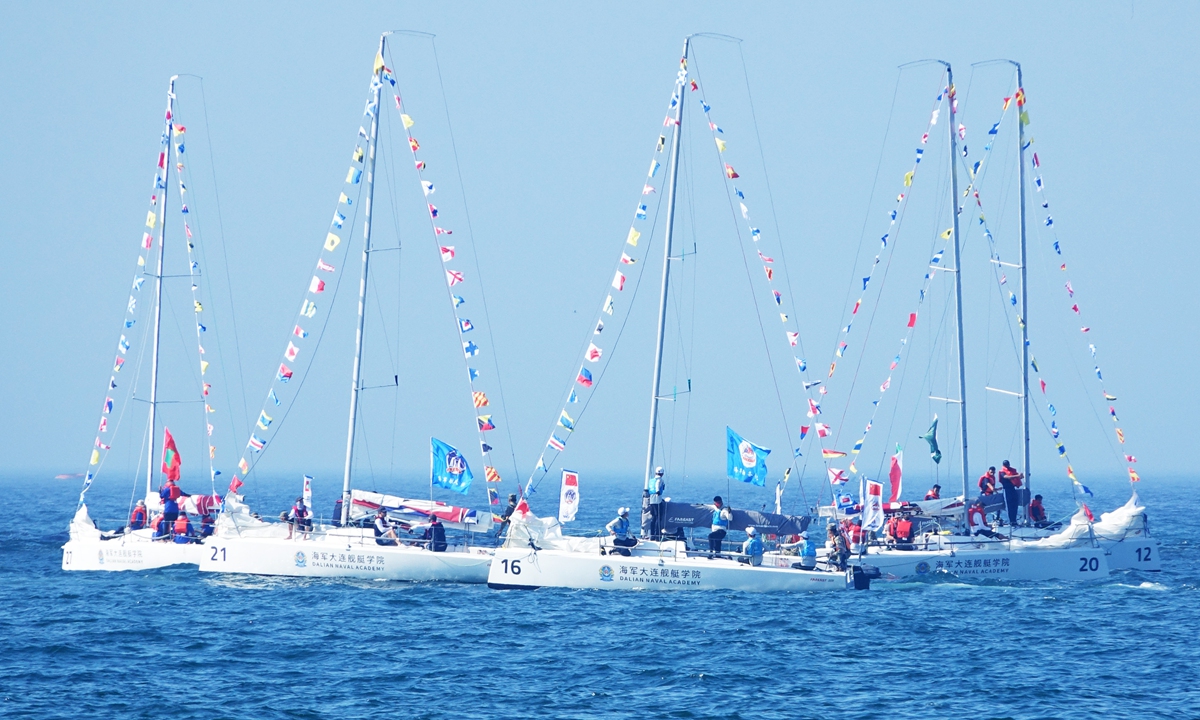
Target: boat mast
x=1024, y=283
x=362, y=291
x=662, y=298
x=158, y=287
x=958, y=301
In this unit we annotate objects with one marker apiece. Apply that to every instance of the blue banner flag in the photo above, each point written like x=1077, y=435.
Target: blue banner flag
x=449, y=468
x=745, y=461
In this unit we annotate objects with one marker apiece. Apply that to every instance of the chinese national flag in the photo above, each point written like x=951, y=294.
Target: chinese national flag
x=170, y=459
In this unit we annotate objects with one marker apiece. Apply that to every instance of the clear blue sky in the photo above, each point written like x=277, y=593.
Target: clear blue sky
x=555, y=109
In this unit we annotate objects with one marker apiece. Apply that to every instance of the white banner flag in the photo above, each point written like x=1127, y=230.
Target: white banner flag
x=307, y=494
x=568, y=498
x=873, y=506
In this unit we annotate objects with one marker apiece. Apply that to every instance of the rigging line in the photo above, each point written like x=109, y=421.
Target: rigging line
x=792, y=294
x=613, y=351
x=389, y=175
x=475, y=258
x=225, y=258
x=733, y=213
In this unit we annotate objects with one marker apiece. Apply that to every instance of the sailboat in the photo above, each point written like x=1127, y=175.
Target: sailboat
x=950, y=536
x=350, y=545
x=142, y=544
x=537, y=554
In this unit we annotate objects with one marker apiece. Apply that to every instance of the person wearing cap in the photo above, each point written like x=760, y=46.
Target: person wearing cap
x=654, y=499
x=752, y=549
x=385, y=534
x=435, y=535
x=935, y=493
x=301, y=517
x=1010, y=480
x=839, y=551
x=137, y=518
x=808, y=552
x=721, y=517
x=506, y=516
x=184, y=533
x=622, y=537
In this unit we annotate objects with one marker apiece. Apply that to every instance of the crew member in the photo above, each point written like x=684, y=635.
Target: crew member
x=206, y=525
x=302, y=517
x=1037, y=513
x=808, y=552
x=977, y=522
x=622, y=537
x=903, y=532
x=183, y=529
x=385, y=534
x=505, y=517
x=752, y=548
x=162, y=528
x=170, y=494
x=854, y=533
x=1010, y=480
x=987, y=482
x=435, y=534
x=839, y=552
x=137, y=518
x=655, y=500
x=721, y=517
x=935, y=493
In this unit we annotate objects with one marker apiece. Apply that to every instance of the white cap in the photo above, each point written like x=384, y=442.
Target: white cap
x=622, y=510
x=751, y=531
x=658, y=470
x=804, y=535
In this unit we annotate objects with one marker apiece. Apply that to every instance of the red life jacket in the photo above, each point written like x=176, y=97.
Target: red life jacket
x=904, y=530
x=181, y=525
x=933, y=495
x=854, y=532
x=976, y=517
x=987, y=484
x=1037, y=513
x=138, y=516
x=1011, y=475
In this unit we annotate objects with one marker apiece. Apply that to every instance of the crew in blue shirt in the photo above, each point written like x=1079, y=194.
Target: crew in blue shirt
x=752, y=548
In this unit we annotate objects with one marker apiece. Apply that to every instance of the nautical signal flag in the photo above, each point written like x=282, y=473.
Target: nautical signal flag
x=171, y=462
x=324, y=266
x=442, y=231
x=491, y=474
x=453, y=277
x=555, y=443
x=470, y=349
x=1087, y=512
x=585, y=377
x=464, y=325
x=947, y=233
x=332, y=241
x=317, y=285
x=912, y=319
x=284, y=374
x=565, y=421
x=485, y=423
x=793, y=338
x=823, y=430
x=1120, y=436
x=803, y=431
x=1133, y=476
x=299, y=332
x=593, y=353
x=433, y=211
x=493, y=496
x=108, y=405
x=618, y=281
x=447, y=253
x=814, y=409
x=480, y=399
x=291, y=351
x=837, y=476
x=235, y=484
x=264, y=420
x=730, y=172
x=257, y=443
x=633, y=236
x=831, y=454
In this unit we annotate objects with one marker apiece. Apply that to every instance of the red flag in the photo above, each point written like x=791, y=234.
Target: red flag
x=170, y=458
x=1088, y=513
x=235, y=484
x=912, y=319
x=895, y=473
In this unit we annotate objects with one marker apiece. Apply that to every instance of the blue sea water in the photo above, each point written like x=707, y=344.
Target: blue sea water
x=177, y=644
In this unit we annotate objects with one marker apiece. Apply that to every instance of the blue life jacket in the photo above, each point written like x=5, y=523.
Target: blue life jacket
x=809, y=549
x=621, y=527
x=754, y=546
x=718, y=521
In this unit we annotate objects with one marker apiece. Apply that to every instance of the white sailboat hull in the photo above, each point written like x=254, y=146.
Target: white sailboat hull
x=88, y=550
x=989, y=561
x=345, y=556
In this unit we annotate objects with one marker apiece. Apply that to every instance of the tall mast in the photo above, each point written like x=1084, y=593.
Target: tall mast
x=362, y=291
x=958, y=302
x=662, y=298
x=158, y=288
x=1024, y=284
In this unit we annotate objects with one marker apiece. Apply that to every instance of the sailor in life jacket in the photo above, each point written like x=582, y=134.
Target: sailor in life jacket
x=654, y=499
x=622, y=536
x=1037, y=512
x=752, y=548
x=1010, y=479
x=854, y=533
x=935, y=493
x=170, y=493
x=987, y=482
x=721, y=518
x=977, y=522
x=137, y=518
x=183, y=529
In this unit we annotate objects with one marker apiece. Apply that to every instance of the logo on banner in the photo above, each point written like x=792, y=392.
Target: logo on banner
x=455, y=465
x=749, y=458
